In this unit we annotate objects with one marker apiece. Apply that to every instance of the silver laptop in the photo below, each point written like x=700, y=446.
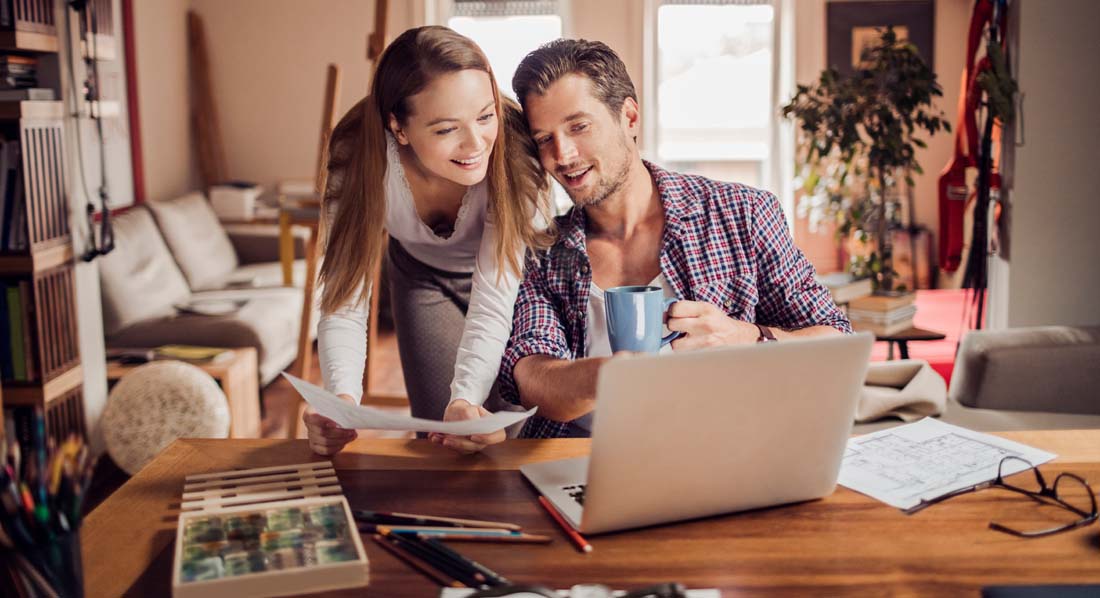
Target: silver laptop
x=692, y=434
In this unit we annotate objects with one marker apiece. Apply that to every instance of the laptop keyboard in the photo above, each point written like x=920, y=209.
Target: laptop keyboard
x=576, y=492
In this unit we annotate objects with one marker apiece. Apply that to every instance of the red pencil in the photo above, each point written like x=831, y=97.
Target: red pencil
x=577, y=539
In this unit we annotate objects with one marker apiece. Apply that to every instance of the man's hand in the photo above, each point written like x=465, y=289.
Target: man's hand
x=704, y=325
x=458, y=410
x=326, y=437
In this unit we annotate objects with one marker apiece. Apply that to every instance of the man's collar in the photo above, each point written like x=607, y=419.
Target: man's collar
x=677, y=200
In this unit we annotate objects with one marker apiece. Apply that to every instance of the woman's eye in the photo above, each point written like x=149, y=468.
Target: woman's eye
x=485, y=117
x=445, y=131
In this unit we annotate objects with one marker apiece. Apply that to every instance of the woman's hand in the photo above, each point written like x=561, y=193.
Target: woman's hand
x=326, y=437
x=458, y=410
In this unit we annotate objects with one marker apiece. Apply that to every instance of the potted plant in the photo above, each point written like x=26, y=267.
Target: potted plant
x=859, y=135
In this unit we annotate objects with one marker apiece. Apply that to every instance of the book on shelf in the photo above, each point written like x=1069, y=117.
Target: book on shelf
x=13, y=208
x=193, y=353
x=882, y=303
x=15, y=333
x=6, y=371
x=33, y=94
x=17, y=59
x=844, y=287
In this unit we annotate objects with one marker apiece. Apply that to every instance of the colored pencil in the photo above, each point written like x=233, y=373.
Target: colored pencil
x=577, y=539
x=459, y=570
x=379, y=517
x=506, y=538
x=416, y=563
x=494, y=578
x=411, y=529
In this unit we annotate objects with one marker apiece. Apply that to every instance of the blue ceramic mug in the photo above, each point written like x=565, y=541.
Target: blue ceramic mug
x=635, y=315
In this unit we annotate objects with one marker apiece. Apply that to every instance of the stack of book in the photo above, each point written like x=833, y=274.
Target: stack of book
x=13, y=210
x=844, y=287
x=882, y=315
x=18, y=72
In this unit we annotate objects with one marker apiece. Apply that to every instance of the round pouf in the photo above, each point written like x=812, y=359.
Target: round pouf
x=158, y=403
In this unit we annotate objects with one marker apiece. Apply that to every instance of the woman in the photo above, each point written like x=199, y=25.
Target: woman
x=425, y=159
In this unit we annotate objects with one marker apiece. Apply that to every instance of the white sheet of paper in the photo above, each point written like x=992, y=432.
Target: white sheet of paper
x=926, y=459
x=363, y=417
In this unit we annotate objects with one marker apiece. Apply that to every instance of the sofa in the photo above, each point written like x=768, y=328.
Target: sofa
x=1030, y=378
x=175, y=255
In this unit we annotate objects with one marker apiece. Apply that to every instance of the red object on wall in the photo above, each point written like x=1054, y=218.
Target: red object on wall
x=132, y=101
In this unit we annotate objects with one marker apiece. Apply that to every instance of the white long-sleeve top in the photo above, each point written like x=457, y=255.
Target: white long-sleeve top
x=342, y=334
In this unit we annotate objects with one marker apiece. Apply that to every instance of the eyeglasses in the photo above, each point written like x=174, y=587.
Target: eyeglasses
x=1055, y=494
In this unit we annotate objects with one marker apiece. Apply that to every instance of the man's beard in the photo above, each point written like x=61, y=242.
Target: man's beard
x=606, y=187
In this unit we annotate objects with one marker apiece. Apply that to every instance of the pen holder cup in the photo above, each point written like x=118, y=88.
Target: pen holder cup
x=47, y=568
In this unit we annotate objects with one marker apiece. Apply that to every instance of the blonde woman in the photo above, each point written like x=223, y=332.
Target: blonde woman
x=435, y=160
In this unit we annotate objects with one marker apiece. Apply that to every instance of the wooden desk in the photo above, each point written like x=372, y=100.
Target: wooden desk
x=239, y=379
x=846, y=543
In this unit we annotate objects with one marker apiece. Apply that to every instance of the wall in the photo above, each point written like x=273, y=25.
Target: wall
x=160, y=49
x=1054, y=272
x=269, y=59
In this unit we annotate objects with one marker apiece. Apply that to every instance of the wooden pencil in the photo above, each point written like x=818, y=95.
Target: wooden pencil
x=416, y=563
x=507, y=538
x=404, y=519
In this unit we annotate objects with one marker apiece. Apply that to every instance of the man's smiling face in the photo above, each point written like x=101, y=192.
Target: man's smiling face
x=584, y=146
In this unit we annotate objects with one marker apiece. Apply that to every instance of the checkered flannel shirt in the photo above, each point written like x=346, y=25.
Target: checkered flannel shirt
x=724, y=243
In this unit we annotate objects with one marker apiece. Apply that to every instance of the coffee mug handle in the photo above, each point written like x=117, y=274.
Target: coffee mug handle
x=672, y=335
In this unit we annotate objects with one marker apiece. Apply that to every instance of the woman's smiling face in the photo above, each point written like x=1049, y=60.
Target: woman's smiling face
x=452, y=125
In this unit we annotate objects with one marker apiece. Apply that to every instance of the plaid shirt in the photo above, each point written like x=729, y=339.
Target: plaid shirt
x=724, y=243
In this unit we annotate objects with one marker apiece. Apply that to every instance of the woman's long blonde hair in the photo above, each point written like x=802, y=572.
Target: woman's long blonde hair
x=354, y=194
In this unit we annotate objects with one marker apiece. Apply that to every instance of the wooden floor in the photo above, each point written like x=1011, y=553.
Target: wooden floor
x=282, y=405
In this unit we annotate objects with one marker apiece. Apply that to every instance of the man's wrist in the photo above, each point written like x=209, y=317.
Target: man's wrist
x=766, y=335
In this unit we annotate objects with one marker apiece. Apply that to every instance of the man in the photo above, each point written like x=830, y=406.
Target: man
x=722, y=248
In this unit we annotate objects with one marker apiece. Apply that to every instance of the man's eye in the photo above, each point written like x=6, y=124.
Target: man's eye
x=445, y=131
x=540, y=141
x=580, y=127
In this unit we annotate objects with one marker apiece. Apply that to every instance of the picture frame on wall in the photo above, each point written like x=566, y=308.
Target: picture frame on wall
x=852, y=26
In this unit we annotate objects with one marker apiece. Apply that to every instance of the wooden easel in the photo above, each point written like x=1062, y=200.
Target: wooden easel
x=376, y=43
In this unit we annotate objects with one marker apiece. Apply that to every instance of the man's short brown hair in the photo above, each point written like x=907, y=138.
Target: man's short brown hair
x=595, y=60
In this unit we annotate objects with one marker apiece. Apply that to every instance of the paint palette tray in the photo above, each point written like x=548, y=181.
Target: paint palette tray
x=271, y=531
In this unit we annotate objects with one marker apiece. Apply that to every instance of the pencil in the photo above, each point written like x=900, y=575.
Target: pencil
x=577, y=539
x=428, y=520
x=507, y=538
x=494, y=578
x=411, y=529
x=459, y=570
x=416, y=563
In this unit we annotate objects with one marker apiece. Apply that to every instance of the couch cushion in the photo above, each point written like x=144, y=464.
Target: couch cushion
x=1042, y=368
x=268, y=321
x=139, y=279
x=197, y=240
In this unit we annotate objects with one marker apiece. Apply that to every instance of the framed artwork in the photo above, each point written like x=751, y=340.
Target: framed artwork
x=854, y=25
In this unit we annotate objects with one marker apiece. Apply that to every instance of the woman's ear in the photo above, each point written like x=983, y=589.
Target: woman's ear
x=397, y=131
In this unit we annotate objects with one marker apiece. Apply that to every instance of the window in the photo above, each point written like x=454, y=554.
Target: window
x=715, y=68
x=507, y=30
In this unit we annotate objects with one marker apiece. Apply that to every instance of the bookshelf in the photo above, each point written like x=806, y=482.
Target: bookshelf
x=36, y=275
x=28, y=26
